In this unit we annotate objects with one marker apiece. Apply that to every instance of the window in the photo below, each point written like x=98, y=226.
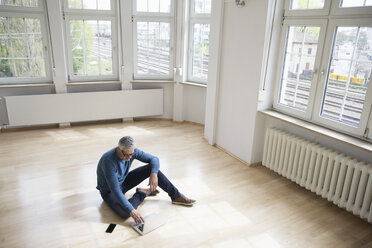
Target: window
x=307, y=4
x=329, y=84
x=355, y=3
x=91, y=40
x=24, y=51
x=153, y=39
x=200, y=11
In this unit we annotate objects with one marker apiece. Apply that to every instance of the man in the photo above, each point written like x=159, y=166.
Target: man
x=114, y=179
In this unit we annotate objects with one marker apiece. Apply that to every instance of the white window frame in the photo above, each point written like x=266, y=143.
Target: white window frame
x=337, y=10
x=154, y=14
x=91, y=14
x=31, y=12
x=306, y=12
x=354, y=16
x=154, y=17
x=195, y=18
x=359, y=131
x=322, y=23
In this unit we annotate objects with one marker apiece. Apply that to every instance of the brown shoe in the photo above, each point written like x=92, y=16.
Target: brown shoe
x=183, y=200
x=148, y=192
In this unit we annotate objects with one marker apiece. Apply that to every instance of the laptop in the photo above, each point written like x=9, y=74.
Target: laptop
x=152, y=222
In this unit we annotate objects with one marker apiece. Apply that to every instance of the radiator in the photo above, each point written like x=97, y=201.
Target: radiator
x=340, y=179
x=78, y=107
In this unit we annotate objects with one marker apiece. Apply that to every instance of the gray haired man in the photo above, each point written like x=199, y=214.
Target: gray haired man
x=114, y=179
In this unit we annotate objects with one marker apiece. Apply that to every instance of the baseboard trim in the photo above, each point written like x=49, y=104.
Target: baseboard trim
x=236, y=157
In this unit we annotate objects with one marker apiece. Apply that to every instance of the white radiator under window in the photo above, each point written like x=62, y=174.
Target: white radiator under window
x=86, y=106
x=342, y=180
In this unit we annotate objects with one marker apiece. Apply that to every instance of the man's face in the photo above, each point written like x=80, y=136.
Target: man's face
x=127, y=153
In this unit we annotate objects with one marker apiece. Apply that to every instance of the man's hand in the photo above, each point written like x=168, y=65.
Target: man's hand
x=137, y=217
x=153, y=181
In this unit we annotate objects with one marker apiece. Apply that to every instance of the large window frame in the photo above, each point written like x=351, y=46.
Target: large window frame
x=359, y=131
x=288, y=23
x=194, y=18
x=328, y=18
x=96, y=15
x=306, y=12
x=37, y=13
x=154, y=17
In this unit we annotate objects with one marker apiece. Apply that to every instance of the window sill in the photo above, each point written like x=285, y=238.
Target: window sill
x=359, y=143
x=153, y=81
x=92, y=83
x=194, y=84
x=26, y=85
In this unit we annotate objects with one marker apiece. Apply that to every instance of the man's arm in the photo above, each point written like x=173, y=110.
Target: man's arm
x=147, y=158
x=153, y=162
x=112, y=181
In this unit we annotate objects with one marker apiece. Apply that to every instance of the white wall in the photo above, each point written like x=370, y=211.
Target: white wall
x=194, y=103
x=240, y=68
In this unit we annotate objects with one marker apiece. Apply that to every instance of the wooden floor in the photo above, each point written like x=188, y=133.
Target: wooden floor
x=48, y=196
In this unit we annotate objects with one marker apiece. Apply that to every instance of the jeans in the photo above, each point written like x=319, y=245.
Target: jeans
x=134, y=178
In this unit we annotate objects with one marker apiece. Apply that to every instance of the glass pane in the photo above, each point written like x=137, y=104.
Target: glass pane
x=33, y=26
x=153, y=48
x=36, y=48
x=104, y=29
x=202, y=6
x=200, y=51
x=153, y=5
x=355, y=3
x=141, y=5
x=348, y=77
x=344, y=42
x=76, y=28
x=297, y=75
x=22, y=68
x=75, y=4
x=92, y=48
x=93, y=66
x=3, y=27
x=307, y=4
x=78, y=66
x=6, y=68
x=20, y=48
x=77, y=48
x=37, y=67
x=91, y=29
x=16, y=26
x=104, y=5
x=90, y=4
x=5, y=48
x=106, y=66
x=364, y=47
x=22, y=44
x=165, y=6
x=20, y=3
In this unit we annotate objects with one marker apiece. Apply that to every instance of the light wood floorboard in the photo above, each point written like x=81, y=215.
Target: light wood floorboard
x=48, y=196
